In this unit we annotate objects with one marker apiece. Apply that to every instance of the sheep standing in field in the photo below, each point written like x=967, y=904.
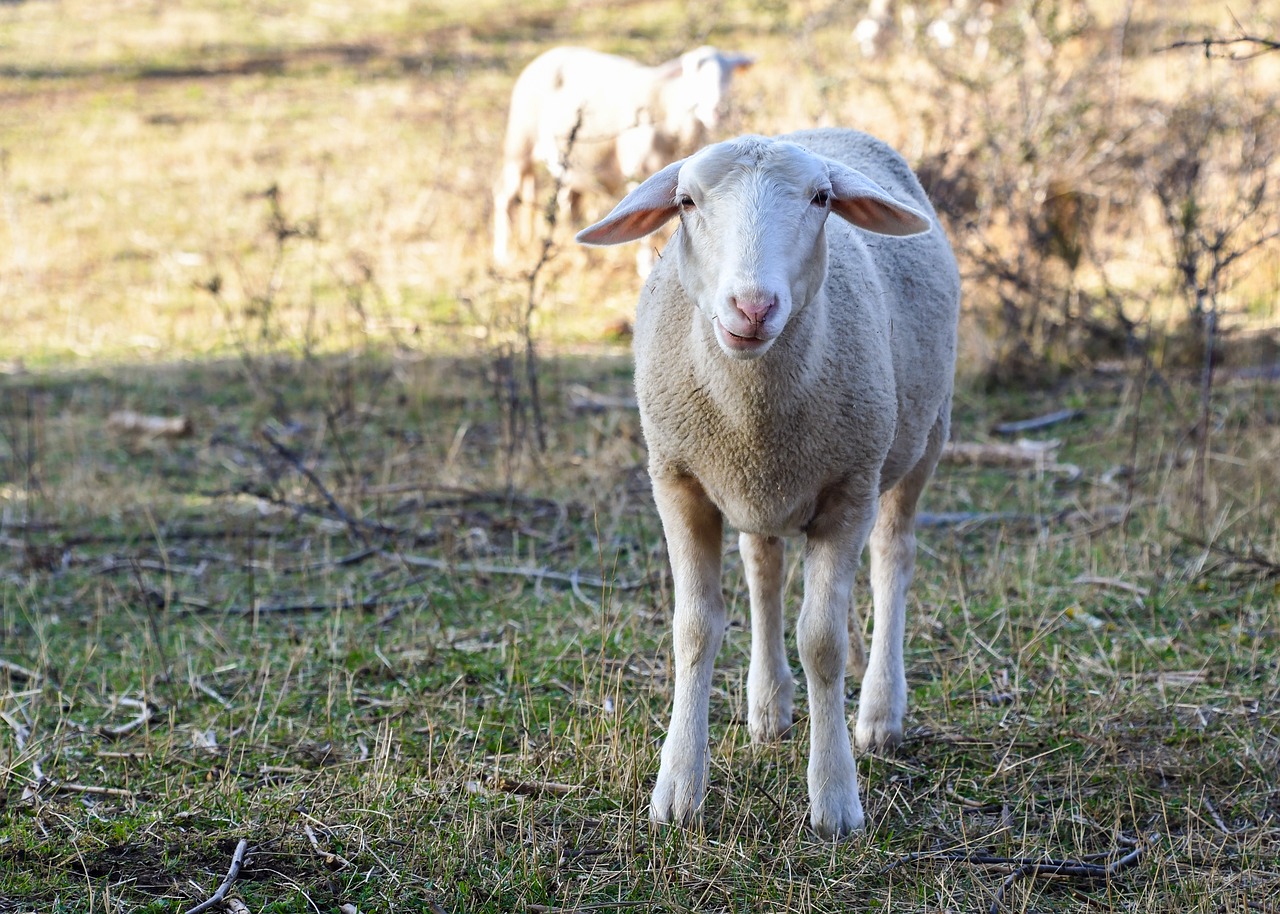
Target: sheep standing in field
x=626, y=121
x=794, y=375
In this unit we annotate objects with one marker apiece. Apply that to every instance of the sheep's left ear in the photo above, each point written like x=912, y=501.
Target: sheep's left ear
x=737, y=62
x=863, y=202
x=640, y=212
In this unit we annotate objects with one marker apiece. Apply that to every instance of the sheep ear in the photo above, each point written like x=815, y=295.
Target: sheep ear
x=863, y=202
x=739, y=62
x=640, y=212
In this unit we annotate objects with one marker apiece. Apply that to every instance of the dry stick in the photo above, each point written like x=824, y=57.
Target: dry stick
x=144, y=715
x=19, y=672
x=283, y=609
x=329, y=857
x=1023, y=867
x=296, y=462
x=1039, y=422
x=1069, y=869
x=1266, y=46
x=237, y=860
x=1267, y=566
x=572, y=579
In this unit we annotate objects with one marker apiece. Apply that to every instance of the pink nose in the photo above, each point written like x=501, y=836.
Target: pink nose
x=754, y=308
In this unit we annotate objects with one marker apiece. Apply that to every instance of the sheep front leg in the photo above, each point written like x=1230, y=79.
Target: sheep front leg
x=693, y=528
x=770, y=686
x=823, y=636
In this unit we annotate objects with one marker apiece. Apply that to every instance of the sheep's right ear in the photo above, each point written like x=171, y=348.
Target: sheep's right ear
x=640, y=212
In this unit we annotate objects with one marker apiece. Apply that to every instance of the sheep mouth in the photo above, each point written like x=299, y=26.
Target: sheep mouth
x=757, y=342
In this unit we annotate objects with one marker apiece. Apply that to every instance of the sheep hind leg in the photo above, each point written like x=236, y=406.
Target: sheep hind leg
x=883, y=701
x=770, y=685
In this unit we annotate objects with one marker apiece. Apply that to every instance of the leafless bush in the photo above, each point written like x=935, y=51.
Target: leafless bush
x=1052, y=171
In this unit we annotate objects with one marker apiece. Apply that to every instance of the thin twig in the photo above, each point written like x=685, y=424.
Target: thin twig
x=237, y=860
x=295, y=461
x=537, y=574
x=1265, y=46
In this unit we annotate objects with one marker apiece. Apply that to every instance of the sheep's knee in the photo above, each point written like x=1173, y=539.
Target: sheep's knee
x=824, y=647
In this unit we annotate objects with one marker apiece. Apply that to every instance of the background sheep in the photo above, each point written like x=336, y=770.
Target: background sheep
x=794, y=376
x=630, y=121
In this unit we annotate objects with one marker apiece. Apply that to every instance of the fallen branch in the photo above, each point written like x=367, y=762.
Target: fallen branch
x=20, y=673
x=306, y=606
x=1067, y=869
x=533, y=788
x=1266, y=566
x=584, y=399
x=573, y=579
x=144, y=716
x=237, y=860
x=1034, y=454
x=1136, y=589
x=64, y=787
x=966, y=519
x=1086, y=868
x=129, y=422
x=1036, y=423
x=330, y=859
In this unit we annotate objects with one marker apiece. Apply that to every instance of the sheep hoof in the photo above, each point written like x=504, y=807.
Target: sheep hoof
x=837, y=815
x=877, y=735
x=675, y=800
x=769, y=724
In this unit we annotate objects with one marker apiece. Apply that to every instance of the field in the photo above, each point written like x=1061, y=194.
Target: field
x=386, y=598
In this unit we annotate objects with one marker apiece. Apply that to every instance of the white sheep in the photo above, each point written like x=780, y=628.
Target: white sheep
x=794, y=375
x=630, y=121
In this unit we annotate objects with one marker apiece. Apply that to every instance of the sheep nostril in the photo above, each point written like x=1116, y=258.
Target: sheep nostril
x=754, y=308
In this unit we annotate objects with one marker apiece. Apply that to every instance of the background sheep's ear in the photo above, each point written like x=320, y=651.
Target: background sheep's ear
x=642, y=211
x=866, y=204
x=738, y=62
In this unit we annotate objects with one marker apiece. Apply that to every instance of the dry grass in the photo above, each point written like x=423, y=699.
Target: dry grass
x=354, y=618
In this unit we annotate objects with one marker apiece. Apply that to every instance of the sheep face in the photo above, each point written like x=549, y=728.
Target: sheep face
x=752, y=245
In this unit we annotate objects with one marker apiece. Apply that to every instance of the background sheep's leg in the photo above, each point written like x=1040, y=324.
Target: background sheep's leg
x=823, y=635
x=530, y=207
x=770, y=686
x=883, y=701
x=856, y=668
x=506, y=198
x=693, y=529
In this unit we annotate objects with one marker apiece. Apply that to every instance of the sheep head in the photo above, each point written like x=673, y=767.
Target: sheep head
x=702, y=86
x=752, y=238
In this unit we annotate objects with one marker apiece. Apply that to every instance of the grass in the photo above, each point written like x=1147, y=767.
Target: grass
x=356, y=619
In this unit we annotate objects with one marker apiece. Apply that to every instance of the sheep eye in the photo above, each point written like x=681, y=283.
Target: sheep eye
x=821, y=198
x=684, y=201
